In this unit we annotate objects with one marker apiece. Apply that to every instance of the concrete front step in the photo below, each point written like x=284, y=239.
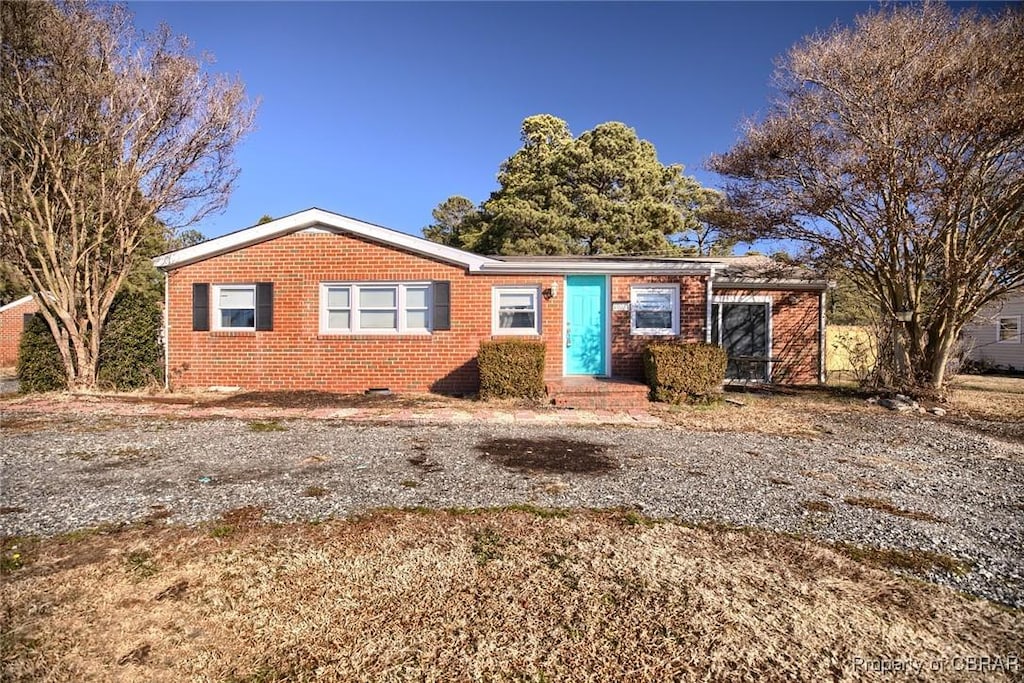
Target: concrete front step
x=598, y=393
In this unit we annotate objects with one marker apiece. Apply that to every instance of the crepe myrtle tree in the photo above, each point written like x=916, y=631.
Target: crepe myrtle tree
x=895, y=149
x=106, y=131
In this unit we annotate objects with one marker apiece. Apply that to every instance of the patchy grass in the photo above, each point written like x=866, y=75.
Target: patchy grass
x=989, y=397
x=495, y=595
x=920, y=562
x=267, y=426
x=14, y=554
x=536, y=510
x=634, y=518
x=315, y=492
x=889, y=508
x=487, y=545
x=141, y=564
x=816, y=506
x=488, y=596
x=221, y=530
x=783, y=412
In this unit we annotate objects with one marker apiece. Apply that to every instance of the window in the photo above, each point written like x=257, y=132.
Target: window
x=654, y=309
x=236, y=307
x=375, y=308
x=1008, y=329
x=515, y=310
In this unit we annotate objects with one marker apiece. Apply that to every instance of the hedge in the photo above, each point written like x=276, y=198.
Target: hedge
x=40, y=367
x=131, y=355
x=511, y=368
x=679, y=372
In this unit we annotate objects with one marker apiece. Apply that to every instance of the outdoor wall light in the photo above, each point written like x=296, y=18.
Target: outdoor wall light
x=551, y=291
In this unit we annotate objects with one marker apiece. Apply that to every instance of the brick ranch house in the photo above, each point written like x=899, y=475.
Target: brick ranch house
x=13, y=318
x=320, y=301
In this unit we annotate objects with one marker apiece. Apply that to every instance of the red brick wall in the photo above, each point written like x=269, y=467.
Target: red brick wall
x=794, y=333
x=627, y=349
x=295, y=356
x=11, y=326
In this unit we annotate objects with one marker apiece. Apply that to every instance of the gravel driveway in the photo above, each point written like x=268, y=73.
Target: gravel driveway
x=877, y=479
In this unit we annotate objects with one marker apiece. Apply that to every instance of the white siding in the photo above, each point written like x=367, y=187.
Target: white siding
x=981, y=341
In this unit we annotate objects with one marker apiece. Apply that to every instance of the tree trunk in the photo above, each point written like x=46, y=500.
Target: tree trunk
x=939, y=361
x=85, y=366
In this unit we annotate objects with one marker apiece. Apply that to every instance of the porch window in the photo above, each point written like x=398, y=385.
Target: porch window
x=654, y=309
x=742, y=325
x=236, y=307
x=1008, y=329
x=515, y=310
x=375, y=308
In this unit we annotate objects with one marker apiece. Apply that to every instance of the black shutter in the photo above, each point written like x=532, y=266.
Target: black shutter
x=442, y=301
x=200, y=306
x=26, y=319
x=264, y=306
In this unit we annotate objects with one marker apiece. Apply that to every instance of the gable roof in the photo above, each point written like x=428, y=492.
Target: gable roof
x=725, y=270
x=17, y=302
x=317, y=218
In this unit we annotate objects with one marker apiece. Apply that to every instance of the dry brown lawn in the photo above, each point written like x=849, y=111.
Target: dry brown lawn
x=785, y=412
x=995, y=398
x=512, y=595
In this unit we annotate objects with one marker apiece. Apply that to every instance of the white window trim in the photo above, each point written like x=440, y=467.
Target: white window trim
x=354, y=309
x=765, y=299
x=217, y=327
x=999, y=330
x=654, y=331
x=498, y=331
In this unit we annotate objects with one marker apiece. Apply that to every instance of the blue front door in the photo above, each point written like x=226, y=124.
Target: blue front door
x=586, y=324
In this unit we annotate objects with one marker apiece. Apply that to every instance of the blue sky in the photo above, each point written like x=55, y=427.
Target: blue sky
x=382, y=110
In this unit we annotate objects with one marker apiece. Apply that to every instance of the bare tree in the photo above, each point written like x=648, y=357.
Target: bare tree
x=105, y=129
x=896, y=150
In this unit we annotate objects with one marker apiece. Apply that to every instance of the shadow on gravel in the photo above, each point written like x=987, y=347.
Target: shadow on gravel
x=547, y=455
x=323, y=399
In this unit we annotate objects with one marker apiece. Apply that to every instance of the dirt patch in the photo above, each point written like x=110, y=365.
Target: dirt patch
x=816, y=506
x=889, y=508
x=323, y=399
x=421, y=459
x=551, y=455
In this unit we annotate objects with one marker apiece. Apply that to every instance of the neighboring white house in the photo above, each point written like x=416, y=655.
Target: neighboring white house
x=995, y=336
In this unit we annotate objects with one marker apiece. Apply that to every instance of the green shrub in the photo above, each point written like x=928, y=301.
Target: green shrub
x=678, y=372
x=131, y=355
x=511, y=368
x=40, y=367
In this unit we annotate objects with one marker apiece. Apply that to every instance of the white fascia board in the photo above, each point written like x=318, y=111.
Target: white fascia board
x=767, y=283
x=312, y=218
x=597, y=268
x=14, y=304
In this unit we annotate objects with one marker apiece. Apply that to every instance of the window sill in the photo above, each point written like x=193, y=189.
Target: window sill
x=653, y=333
x=340, y=336
x=232, y=333
x=517, y=335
